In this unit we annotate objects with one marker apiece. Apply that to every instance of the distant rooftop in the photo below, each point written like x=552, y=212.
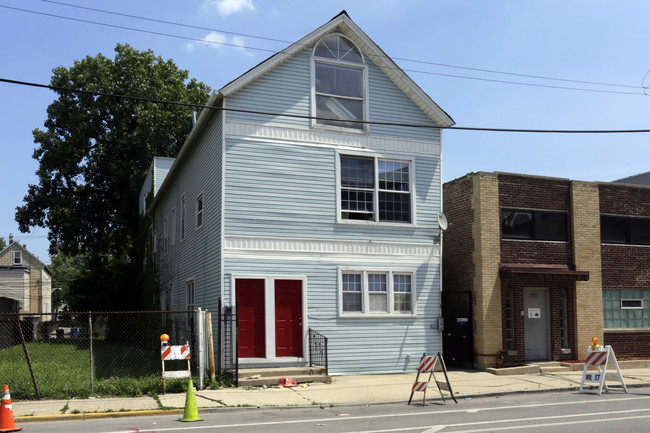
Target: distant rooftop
x=637, y=179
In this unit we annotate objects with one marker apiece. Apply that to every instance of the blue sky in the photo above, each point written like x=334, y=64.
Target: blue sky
x=575, y=42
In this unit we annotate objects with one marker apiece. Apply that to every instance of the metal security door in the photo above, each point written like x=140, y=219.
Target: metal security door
x=536, y=324
x=458, y=337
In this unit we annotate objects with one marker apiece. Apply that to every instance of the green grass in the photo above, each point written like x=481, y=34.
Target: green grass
x=62, y=370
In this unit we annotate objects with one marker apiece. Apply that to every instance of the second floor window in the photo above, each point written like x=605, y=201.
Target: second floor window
x=534, y=225
x=624, y=230
x=18, y=258
x=339, y=83
x=375, y=189
x=199, y=211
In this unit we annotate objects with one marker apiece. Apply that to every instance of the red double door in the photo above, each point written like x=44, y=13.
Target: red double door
x=250, y=296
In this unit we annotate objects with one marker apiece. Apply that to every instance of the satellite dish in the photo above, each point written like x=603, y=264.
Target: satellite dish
x=442, y=221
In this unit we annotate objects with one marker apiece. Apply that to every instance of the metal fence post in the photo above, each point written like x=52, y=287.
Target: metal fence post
x=90, y=338
x=201, y=344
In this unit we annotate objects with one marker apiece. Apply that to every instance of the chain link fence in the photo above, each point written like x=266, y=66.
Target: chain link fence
x=78, y=355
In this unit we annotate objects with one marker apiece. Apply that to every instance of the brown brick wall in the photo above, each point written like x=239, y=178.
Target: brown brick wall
x=458, y=245
x=624, y=200
x=629, y=343
x=529, y=192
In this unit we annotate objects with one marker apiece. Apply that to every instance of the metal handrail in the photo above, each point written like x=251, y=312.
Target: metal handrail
x=317, y=350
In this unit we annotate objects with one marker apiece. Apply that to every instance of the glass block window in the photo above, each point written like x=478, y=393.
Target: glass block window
x=374, y=189
x=626, y=308
x=509, y=319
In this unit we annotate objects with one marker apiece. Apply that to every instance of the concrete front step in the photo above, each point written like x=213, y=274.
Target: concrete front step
x=553, y=369
x=271, y=376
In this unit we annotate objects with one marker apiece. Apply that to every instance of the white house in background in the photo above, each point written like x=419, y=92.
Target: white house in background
x=25, y=282
x=303, y=197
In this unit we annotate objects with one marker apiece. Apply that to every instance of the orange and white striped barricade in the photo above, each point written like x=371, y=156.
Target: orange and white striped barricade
x=600, y=357
x=428, y=365
x=175, y=353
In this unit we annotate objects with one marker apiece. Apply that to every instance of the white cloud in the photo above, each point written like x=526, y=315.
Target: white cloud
x=229, y=7
x=212, y=39
x=241, y=45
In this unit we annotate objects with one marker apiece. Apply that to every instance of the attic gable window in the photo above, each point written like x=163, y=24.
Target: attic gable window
x=339, y=83
x=18, y=257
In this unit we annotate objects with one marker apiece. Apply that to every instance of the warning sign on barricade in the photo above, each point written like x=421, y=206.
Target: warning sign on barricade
x=174, y=353
x=428, y=365
x=595, y=372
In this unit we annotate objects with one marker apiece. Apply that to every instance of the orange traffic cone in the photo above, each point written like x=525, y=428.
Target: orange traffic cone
x=7, y=423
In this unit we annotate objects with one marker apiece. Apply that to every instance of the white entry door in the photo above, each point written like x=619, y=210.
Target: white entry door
x=537, y=324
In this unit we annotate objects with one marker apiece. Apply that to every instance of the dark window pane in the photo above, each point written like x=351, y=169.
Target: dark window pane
x=339, y=80
x=550, y=226
x=613, y=229
x=357, y=172
x=394, y=207
x=639, y=231
x=516, y=224
x=393, y=175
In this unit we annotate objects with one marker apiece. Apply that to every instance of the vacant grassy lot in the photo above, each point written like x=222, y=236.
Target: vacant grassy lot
x=62, y=369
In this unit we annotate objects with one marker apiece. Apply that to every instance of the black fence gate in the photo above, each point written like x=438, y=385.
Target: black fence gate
x=458, y=338
x=228, y=342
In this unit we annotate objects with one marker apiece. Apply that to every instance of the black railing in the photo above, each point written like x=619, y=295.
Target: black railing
x=317, y=350
x=228, y=344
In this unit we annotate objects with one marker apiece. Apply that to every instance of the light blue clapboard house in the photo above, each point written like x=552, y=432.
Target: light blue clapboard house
x=304, y=198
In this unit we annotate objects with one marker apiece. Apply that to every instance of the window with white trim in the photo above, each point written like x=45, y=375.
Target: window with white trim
x=339, y=83
x=375, y=189
x=376, y=293
x=199, y=211
x=18, y=257
x=183, y=217
x=189, y=298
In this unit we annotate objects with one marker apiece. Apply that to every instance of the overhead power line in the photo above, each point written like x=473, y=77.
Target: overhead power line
x=298, y=116
x=424, y=62
x=641, y=91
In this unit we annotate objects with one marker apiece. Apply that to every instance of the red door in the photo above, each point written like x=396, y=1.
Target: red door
x=250, y=299
x=288, y=318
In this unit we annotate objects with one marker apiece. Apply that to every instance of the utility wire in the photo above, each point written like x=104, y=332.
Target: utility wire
x=171, y=35
x=492, y=71
x=297, y=116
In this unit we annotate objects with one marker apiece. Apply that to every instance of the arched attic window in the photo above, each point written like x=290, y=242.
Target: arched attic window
x=340, y=90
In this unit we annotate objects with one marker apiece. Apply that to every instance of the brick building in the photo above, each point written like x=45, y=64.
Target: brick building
x=534, y=267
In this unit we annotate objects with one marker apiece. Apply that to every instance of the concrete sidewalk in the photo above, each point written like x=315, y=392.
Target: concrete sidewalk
x=344, y=390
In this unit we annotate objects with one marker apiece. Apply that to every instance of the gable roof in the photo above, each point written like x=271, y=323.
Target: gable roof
x=344, y=24
x=26, y=251
x=638, y=179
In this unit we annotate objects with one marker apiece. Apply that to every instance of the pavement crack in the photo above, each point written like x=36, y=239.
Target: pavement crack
x=211, y=399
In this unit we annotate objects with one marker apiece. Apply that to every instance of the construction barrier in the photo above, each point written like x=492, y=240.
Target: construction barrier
x=174, y=353
x=601, y=357
x=428, y=365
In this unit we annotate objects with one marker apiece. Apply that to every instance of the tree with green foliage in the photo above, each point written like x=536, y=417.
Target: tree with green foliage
x=3, y=244
x=93, y=157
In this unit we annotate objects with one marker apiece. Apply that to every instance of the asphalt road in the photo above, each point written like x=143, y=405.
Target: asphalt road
x=531, y=412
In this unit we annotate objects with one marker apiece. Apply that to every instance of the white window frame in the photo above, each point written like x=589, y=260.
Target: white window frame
x=172, y=233
x=200, y=213
x=183, y=219
x=364, y=68
x=365, y=312
x=165, y=239
x=17, y=255
x=375, y=221
x=632, y=308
